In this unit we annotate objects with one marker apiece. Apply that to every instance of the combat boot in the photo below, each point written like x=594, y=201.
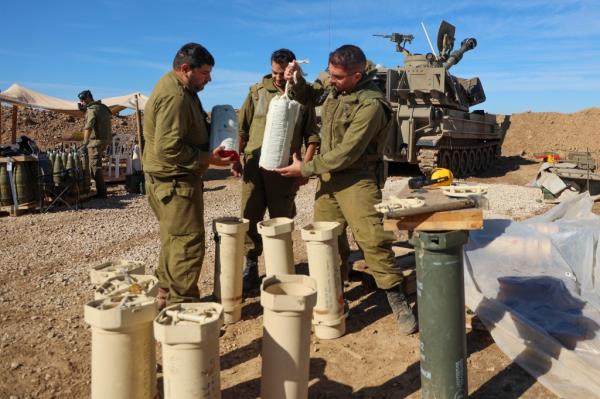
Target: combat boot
x=407, y=324
x=251, y=281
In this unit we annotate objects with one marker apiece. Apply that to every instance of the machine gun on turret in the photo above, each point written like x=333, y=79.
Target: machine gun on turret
x=433, y=125
x=400, y=41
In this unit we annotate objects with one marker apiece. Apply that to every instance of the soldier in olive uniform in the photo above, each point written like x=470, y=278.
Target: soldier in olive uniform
x=97, y=135
x=316, y=94
x=175, y=156
x=263, y=189
x=356, y=118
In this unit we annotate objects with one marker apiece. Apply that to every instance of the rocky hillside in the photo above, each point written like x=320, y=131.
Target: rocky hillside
x=51, y=128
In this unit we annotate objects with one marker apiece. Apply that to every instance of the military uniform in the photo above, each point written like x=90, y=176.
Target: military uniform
x=355, y=127
x=263, y=189
x=317, y=92
x=176, y=154
x=97, y=119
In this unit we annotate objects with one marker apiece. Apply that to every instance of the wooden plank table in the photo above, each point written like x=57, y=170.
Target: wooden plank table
x=429, y=217
x=462, y=219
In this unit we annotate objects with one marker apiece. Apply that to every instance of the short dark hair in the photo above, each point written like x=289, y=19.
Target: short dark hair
x=193, y=54
x=283, y=56
x=349, y=57
x=85, y=94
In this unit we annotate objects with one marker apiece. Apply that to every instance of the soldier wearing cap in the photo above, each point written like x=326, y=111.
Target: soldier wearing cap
x=97, y=134
x=175, y=156
x=356, y=119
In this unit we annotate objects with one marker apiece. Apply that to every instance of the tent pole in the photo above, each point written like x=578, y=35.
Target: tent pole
x=14, y=124
x=1, y=124
x=138, y=120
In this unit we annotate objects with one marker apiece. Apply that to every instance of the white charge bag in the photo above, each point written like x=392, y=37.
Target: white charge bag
x=281, y=120
x=223, y=128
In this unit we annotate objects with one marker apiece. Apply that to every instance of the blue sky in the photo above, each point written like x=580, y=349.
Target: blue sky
x=538, y=55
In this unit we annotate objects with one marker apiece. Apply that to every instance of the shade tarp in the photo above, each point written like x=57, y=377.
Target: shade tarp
x=17, y=94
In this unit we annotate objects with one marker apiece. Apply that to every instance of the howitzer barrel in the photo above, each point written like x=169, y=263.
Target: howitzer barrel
x=455, y=57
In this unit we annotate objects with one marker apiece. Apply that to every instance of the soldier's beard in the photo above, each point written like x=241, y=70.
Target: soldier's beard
x=196, y=88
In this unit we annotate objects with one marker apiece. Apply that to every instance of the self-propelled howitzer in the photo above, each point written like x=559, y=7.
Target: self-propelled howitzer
x=433, y=126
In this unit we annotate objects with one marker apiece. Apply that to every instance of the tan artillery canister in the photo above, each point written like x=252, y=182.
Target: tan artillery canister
x=287, y=301
x=189, y=333
x=136, y=284
x=324, y=266
x=229, y=262
x=123, y=348
x=277, y=243
x=103, y=271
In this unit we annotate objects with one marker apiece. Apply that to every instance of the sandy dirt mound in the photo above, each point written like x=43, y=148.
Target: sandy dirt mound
x=532, y=132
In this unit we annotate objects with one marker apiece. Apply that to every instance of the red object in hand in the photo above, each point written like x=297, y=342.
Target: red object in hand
x=229, y=153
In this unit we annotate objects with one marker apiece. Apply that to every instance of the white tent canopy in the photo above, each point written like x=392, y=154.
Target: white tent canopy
x=17, y=94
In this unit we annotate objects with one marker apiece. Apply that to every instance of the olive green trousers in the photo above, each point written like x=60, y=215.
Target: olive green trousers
x=95, y=167
x=179, y=208
x=349, y=199
x=262, y=190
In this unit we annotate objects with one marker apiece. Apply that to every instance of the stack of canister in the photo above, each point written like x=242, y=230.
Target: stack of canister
x=124, y=323
x=26, y=182
x=70, y=165
x=121, y=316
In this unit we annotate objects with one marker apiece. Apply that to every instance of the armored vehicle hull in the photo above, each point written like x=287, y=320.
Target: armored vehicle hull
x=433, y=125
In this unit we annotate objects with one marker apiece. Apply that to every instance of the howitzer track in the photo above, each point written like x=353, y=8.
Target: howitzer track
x=463, y=161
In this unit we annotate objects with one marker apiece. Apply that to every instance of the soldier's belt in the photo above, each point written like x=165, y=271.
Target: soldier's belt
x=352, y=172
x=167, y=179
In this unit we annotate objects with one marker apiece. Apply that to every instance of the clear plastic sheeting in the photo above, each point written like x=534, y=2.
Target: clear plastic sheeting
x=536, y=287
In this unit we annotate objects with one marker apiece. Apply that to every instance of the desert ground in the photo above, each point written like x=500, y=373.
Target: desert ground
x=44, y=282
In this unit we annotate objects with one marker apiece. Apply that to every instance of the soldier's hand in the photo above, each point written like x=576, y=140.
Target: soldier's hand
x=292, y=67
x=293, y=170
x=237, y=169
x=216, y=159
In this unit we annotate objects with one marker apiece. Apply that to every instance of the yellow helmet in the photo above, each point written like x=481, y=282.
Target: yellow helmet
x=443, y=177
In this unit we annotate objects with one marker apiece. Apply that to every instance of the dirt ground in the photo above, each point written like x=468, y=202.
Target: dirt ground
x=44, y=261
x=45, y=343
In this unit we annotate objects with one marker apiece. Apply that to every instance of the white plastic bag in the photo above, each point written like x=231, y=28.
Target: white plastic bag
x=223, y=128
x=279, y=129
